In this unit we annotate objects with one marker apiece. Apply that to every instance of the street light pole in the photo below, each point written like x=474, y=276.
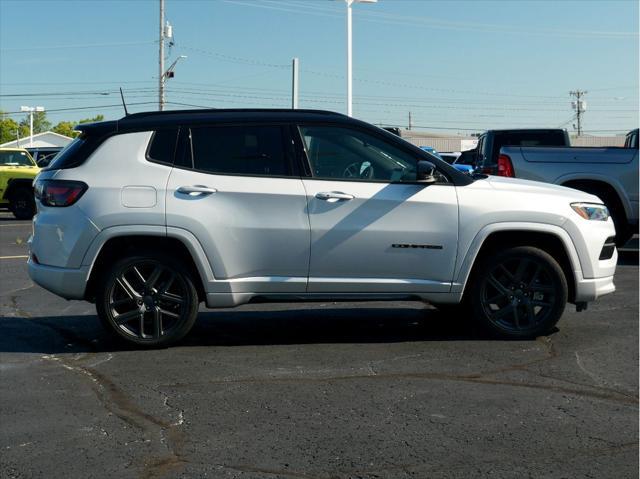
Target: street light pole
x=30, y=110
x=294, y=84
x=161, y=60
x=349, y=61
x=350, y=55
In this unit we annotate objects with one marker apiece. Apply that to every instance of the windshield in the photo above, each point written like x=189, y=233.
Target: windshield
x=15, y=158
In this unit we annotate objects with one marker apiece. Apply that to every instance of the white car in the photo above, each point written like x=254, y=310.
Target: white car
x=152, y=214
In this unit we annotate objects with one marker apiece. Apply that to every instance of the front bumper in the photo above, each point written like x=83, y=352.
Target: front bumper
x=588, y=290
x=70, y=283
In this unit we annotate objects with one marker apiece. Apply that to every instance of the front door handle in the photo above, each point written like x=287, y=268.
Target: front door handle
x=196, y=190
x=334, y=196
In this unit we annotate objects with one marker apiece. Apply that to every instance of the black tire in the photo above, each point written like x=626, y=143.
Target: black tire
x=518, y=293
x=22, y=203
x=149, y=300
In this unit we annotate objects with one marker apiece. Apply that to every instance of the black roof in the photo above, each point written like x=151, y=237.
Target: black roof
x=237, y=114
x=155, y=119
x=261, y=112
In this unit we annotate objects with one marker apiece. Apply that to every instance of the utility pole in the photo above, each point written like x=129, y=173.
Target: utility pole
x=294, y=84
x=580, y=106
x=161, y=60
x=410, y=124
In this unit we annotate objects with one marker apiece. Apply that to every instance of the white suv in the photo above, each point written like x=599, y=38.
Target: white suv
x=152, y=214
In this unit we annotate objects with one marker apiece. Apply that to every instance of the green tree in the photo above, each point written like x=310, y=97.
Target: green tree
x=9, y=128
x=92, y=120
x=65, y=128
x=40, y=122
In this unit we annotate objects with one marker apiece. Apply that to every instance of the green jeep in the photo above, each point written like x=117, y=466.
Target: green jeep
x=17, y=171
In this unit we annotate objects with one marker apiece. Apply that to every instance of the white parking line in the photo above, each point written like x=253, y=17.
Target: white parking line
x=14, y=257
x=15, y=224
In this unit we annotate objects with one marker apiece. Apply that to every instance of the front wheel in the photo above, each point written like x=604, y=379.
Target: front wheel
x=148, y=300
x=519, y=293
x=22, y=203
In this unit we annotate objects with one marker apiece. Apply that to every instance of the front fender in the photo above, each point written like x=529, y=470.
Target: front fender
x=463, y=270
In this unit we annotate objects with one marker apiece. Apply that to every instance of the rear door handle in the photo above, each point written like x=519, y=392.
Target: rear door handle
x=334, y=196
x=196, y=190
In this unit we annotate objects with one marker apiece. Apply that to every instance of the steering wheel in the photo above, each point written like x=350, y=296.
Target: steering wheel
x=362, y=170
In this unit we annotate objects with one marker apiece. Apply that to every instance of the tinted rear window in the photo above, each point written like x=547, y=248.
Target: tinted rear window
x=549, y=138
x=69, y=156
x=162, y=146
x=239, y=150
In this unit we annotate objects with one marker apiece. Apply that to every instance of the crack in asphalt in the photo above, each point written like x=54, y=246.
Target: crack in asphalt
x=172, y=437
x=597, y=392
x=612, y=396
x=13, y=299
x=116, y=401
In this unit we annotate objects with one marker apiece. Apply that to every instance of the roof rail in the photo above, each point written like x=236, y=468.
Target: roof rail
x=147, y=114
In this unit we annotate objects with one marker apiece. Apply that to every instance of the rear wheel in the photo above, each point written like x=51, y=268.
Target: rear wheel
x=22, y=203
x=148, y=300
x=519, y=293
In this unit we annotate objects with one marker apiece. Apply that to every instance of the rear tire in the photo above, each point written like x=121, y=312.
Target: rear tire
x=22, y=203
x=149, y=300
x=518, y=293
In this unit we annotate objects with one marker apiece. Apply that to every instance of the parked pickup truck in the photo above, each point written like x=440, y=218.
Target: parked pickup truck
x=611, y=173
x=484, y=158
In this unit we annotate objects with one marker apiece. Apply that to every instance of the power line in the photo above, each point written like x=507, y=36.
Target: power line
x=77, y=45
x=395, y=19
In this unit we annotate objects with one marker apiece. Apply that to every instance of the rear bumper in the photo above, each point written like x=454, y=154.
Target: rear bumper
x=66, y=282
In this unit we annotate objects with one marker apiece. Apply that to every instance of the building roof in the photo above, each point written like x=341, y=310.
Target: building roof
x=44, y=139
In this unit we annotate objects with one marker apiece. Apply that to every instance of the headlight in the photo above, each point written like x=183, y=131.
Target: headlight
x=591, y=211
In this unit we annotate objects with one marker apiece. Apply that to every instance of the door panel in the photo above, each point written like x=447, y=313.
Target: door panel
x=250, y=227
x=389, y=237
x=235, y=191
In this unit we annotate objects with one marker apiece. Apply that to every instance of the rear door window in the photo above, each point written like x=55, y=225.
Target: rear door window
x=163, y=146
x=239, y=150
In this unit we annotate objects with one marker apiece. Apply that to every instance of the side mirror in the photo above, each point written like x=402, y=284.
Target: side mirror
x=426, y=172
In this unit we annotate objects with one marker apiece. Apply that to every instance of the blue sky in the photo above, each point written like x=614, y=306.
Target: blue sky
x=456, y=65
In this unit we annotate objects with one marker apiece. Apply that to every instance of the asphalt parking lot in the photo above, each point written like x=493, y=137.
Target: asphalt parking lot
x=325, y=391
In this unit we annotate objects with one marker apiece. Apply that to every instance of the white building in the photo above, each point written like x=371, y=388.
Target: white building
x=41, y=140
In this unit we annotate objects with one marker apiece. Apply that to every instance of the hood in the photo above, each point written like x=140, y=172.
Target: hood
x=517, y=185
x=19, y=171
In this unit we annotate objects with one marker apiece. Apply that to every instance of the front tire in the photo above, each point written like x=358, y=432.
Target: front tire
x=22, y=203
x=148, y=300
x=518, y=293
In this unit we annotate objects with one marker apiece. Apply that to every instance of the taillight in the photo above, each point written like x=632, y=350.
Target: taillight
x=505, y=168
x=59, y=192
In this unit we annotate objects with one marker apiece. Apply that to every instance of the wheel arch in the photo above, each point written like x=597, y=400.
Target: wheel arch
x=611, y=185
x=110, y=245
x=550, y=238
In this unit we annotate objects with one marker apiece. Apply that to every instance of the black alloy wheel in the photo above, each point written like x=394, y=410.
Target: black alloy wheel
x=521, y=292
x=148, y=301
